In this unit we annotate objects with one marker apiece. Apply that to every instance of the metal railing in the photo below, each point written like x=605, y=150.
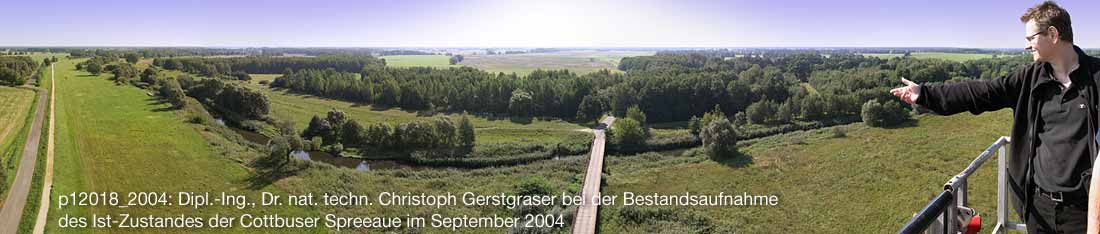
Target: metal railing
x=948, y=212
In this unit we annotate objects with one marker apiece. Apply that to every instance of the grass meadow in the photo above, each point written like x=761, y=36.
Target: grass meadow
x=437, y=61
x=15, y=120
x=15, y=105
x=114, y=138
x=869, y=181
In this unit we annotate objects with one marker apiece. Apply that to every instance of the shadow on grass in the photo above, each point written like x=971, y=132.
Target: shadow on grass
x=597, y=125
x=156, y=101
x=381, y=107
x=738, y=160
x=670, y=125
x=907, y=124
x=267, y=172
x=497, y=117
x=521, y=119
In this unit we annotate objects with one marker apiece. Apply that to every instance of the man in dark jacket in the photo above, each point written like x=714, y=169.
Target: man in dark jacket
x=1054, y=102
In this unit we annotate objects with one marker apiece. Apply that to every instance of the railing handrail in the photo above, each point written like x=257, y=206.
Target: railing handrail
x=926, y=216
x=978, y=162
x=941, y=208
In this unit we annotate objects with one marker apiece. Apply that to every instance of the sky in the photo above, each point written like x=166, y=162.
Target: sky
x=529, y=23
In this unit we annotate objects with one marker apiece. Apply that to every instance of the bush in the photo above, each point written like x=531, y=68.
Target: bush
x=762, y=112
x=172, y=91
x=719, y=139
x=335, y=149
x=628, y=132
x=279, y=151
x=315, y=143
x=573, y=146
x=876, y=114
x=448, y=158
x=353, y=134
x=499, y=154
x=231, y=101
x=197, y=120
x=466, y=137
x=241, y=76
x=534, y=185
x=634, y=113
x=711, y=115
x=693, y=125
x=658, y=143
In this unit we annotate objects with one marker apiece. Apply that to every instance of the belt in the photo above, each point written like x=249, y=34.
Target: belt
x=1058, y=196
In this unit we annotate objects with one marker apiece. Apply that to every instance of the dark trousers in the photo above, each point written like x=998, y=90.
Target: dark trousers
x=1049, y=216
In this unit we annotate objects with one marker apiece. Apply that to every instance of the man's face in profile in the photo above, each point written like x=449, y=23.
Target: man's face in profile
x=1038, y=41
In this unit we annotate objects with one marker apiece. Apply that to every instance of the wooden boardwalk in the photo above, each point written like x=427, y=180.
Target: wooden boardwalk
x=585, y=220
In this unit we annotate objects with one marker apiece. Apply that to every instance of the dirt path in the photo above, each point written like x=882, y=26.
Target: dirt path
x=585, y=221
x=47, y=181
x=12, y=211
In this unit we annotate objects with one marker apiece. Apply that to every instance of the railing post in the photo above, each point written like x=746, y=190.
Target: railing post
x=936, y=226
x=960, y=193
x=949, y=216
x=1002, y=191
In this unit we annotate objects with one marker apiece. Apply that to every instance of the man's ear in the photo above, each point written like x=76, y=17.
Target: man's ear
x=1053, y=32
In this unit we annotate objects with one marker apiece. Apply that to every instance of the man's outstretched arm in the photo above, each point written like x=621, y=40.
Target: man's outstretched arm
x=975, y=96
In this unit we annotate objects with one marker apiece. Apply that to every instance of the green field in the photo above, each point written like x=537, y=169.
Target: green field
x=117, y=139
x=264, y=77
x=580, y=62
x=957, y=57
x=15, y=118
x=870, y=181
x=439, y=61
x=14, y=106
x=300, y=108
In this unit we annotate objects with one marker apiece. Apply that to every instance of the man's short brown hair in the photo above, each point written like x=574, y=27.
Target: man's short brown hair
x=1048, y=14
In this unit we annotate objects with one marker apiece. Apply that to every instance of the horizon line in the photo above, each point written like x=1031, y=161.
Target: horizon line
x=506, y=47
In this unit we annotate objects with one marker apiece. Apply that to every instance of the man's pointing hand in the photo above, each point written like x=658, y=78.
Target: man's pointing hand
x=909, y=93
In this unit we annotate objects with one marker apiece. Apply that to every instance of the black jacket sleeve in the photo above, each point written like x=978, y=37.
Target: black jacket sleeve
x=976, y=96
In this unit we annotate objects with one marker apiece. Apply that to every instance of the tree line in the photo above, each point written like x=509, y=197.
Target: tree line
x=542, y=93
x=777, y=90
x=16, y=70
x=337, y=131
x=215, y=67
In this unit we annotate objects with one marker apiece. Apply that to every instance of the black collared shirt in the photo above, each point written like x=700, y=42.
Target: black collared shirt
x=1063, y=143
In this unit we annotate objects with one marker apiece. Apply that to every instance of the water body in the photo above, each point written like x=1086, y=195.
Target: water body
x=252, y=136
